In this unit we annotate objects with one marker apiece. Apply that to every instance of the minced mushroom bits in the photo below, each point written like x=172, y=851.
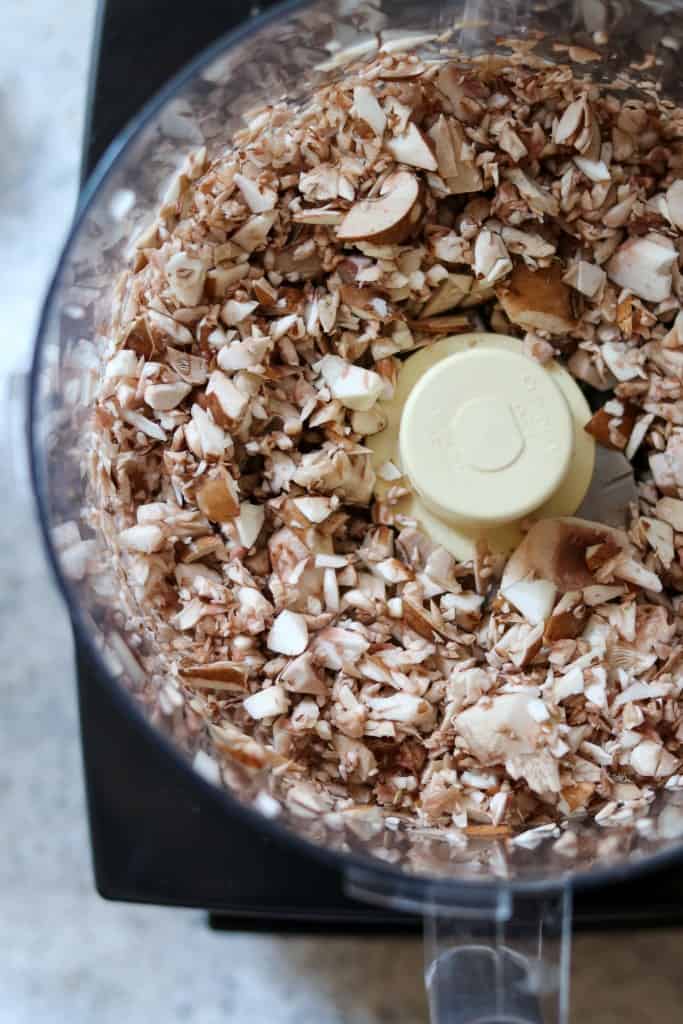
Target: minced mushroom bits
x=310, y=625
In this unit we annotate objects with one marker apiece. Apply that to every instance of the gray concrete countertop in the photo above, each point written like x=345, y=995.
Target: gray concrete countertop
x=66, y=956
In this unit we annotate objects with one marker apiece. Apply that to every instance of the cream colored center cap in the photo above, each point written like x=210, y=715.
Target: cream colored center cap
x=481, y=431
x=495, y=439
x=485, y=437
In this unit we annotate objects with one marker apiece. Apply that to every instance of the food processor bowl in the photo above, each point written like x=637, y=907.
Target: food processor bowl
x=497, y=910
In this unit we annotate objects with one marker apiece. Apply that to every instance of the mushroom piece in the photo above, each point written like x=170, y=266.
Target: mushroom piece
x=670, y=510
x=289, y=633
x=366, y=106
x=533, y=598
x=145, y=539
x=186, y=275
x=452, y=290
x=595, y=170
x=582, y=366
x=451, y=323
x=267, y=703
x=123, y=364
x=644, y=266
x=611, y=426
x=355, y=387
x=193, y=369
x=491, y=259
x=204, y=436
x=386, y=219
x=539, y=199
x=496, y=728
x=231, y=400
x=216, y=675
x=586, y=278
x=220, y=280
x=412, y=148
x=538, y=300
x=249, y=523
x=254, y=231
x=365, y=303
x=217, y=498
x=161, y=328
x=674, y=202
x=258, y=199
x=290, y=261
x=455, y=158
x=555, y=550
x=567, y=620
x=164, y=397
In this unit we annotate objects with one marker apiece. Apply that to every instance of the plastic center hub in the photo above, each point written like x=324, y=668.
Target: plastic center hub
x=485, y=436
x=495, y=440
x=479, y=431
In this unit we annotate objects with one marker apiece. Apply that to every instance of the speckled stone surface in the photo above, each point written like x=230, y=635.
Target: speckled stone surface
x=67, y=957
x=44, y=52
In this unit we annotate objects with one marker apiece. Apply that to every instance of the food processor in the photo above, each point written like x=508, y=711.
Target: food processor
x=497, y=914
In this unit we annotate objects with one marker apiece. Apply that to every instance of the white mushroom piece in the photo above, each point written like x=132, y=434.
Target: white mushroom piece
x=534, y=598
x=498, y=727
x=554, y=551
x=355, y=387
x=289, y=633
x=644, y=266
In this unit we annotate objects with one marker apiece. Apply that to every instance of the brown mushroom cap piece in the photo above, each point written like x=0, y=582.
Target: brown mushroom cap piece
x=386, y=218
x=610, y=430
x=538, y=300
x=555, y=550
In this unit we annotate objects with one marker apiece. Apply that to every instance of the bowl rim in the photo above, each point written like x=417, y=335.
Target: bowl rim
x=418, y=888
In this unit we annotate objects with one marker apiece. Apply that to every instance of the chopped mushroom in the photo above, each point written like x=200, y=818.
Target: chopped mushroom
x=145, y=539
x=289, y=633
x=586, y=277
x=280, y=609
x=533, y=598
x=249, y=523
x=367, y=107
x=557, y=551
x=644, y=266
x=537, y=300
x=412, y=148
x=218, y=499
x=497, y=728
x=164, y=397
x=491, y=259
x=386, y=218
x=259, y=200
x=674, y=203
x=355, y=387
x=186, y=275
x=455, y=159
x=267, y=703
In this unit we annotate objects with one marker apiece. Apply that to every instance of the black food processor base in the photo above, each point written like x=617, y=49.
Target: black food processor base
x=156, y=837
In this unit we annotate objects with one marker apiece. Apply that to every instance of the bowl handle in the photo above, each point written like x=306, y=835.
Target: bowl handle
x=492, y=955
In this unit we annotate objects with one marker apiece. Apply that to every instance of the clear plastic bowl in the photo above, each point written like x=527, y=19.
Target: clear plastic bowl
x=498, y=915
